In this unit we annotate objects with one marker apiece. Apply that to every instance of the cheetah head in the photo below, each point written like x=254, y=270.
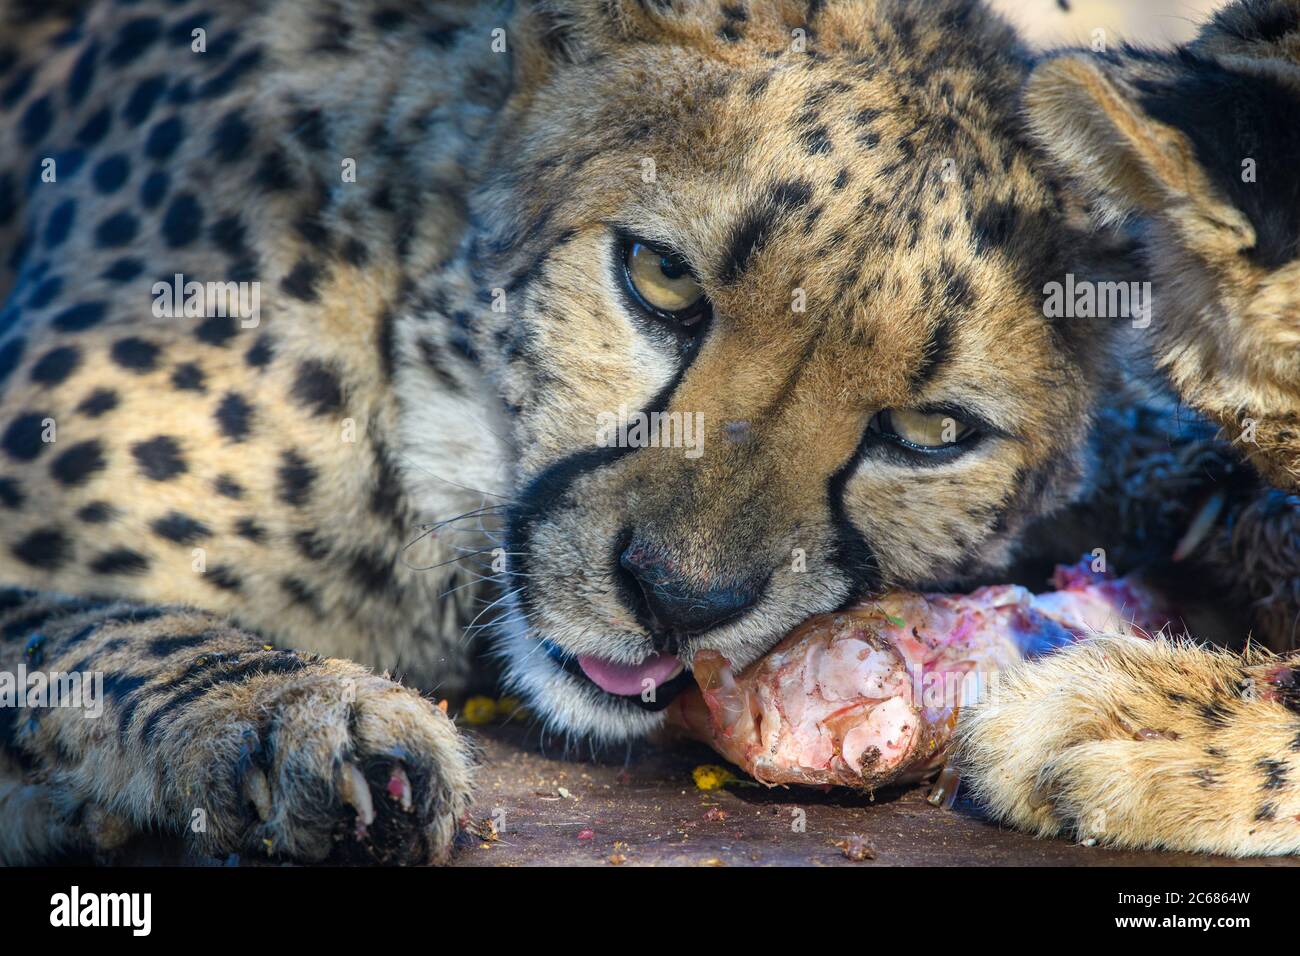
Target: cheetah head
x=813, y=240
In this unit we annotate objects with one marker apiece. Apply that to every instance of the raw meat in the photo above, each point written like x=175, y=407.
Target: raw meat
x=870, y=695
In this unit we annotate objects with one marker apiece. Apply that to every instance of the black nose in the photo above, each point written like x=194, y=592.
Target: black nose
x=672, y=606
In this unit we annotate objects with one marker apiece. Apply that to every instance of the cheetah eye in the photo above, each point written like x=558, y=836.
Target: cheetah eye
x=923, y=431
x=662, y=283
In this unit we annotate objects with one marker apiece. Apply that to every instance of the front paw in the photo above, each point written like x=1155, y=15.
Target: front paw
x=1098, y=740
x=320, y=760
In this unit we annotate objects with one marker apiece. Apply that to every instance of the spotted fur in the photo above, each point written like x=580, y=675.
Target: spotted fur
x=1171, y=139
x=416, y=410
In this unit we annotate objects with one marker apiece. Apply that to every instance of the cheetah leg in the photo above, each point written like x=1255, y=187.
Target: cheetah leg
x=189, y=725
x=1143, y=744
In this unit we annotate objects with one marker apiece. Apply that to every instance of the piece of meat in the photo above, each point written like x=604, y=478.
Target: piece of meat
x=870, y=695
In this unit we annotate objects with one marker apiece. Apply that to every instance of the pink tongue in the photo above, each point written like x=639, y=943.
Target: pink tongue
x=628, y=679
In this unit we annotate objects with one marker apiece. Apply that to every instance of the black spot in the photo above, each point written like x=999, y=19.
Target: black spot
x=80, y=317
x=183, y=221
x=11, y=493
x=1216, y=713
x=159, y=458
x=250, y=529
x=309, y=128
x=938, y=344
x=312, y=230
x=117, y=230
x=11, y=353
x=54, y=367
x=1274, y=771
x=234, y=417
x=120, y=561
x=841, y=180
x=22, y=439
x=301, y=281
x=17, y=88
x=97, y=512
x=154, y=189
x=388, y=19
x=36, y=121
x=310, y=546
x=261, y=352
x=188, y=377
x=296, y=477
x=229, y=235
x=817, y=141
x=133, y=39
x=300, y=593
x=386, y=343
x=224, y=578
x=142, y=101
x=225, y=81
x=95, y=129
x=135, y=354
x=45, y=293
x=123, y=270
x=1266, y=812
x=179, y=527
x=372, y=571
x=217, y=330
x=98, y=402
x=166, y=646
x=231, y=137
x=273, y=173
x=164, y=138
x=317, y=387
x=45, y=548
x=355, y=253
x=111, y=173
x=82, y=75
x=757, y=226
x=994, y=226
x=76, y=465
x=8, y=198
x=60, y=222
x=227, y=487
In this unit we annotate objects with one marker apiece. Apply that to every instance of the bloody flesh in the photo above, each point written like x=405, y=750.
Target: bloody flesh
x=870, y=695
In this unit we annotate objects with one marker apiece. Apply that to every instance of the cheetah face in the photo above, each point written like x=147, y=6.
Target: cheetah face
x=823, y=273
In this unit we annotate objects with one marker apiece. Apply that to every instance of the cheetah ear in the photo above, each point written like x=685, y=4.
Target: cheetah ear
x=1090, y=120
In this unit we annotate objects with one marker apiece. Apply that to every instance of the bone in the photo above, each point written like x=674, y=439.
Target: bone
x=870, y=695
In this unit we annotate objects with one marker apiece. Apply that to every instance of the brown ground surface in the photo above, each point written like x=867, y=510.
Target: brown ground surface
x=648, y=812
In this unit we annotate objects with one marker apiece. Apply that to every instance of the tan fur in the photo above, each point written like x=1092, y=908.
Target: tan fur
x=408, y=438
x=1139, y=742
x=1164, y=743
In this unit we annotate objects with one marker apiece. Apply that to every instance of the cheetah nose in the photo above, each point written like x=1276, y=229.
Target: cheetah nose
x=674, y=606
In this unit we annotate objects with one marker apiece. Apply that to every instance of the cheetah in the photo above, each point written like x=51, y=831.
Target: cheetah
x=311, y=310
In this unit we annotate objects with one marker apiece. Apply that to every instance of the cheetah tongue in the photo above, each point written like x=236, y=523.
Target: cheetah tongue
x=629, y=679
